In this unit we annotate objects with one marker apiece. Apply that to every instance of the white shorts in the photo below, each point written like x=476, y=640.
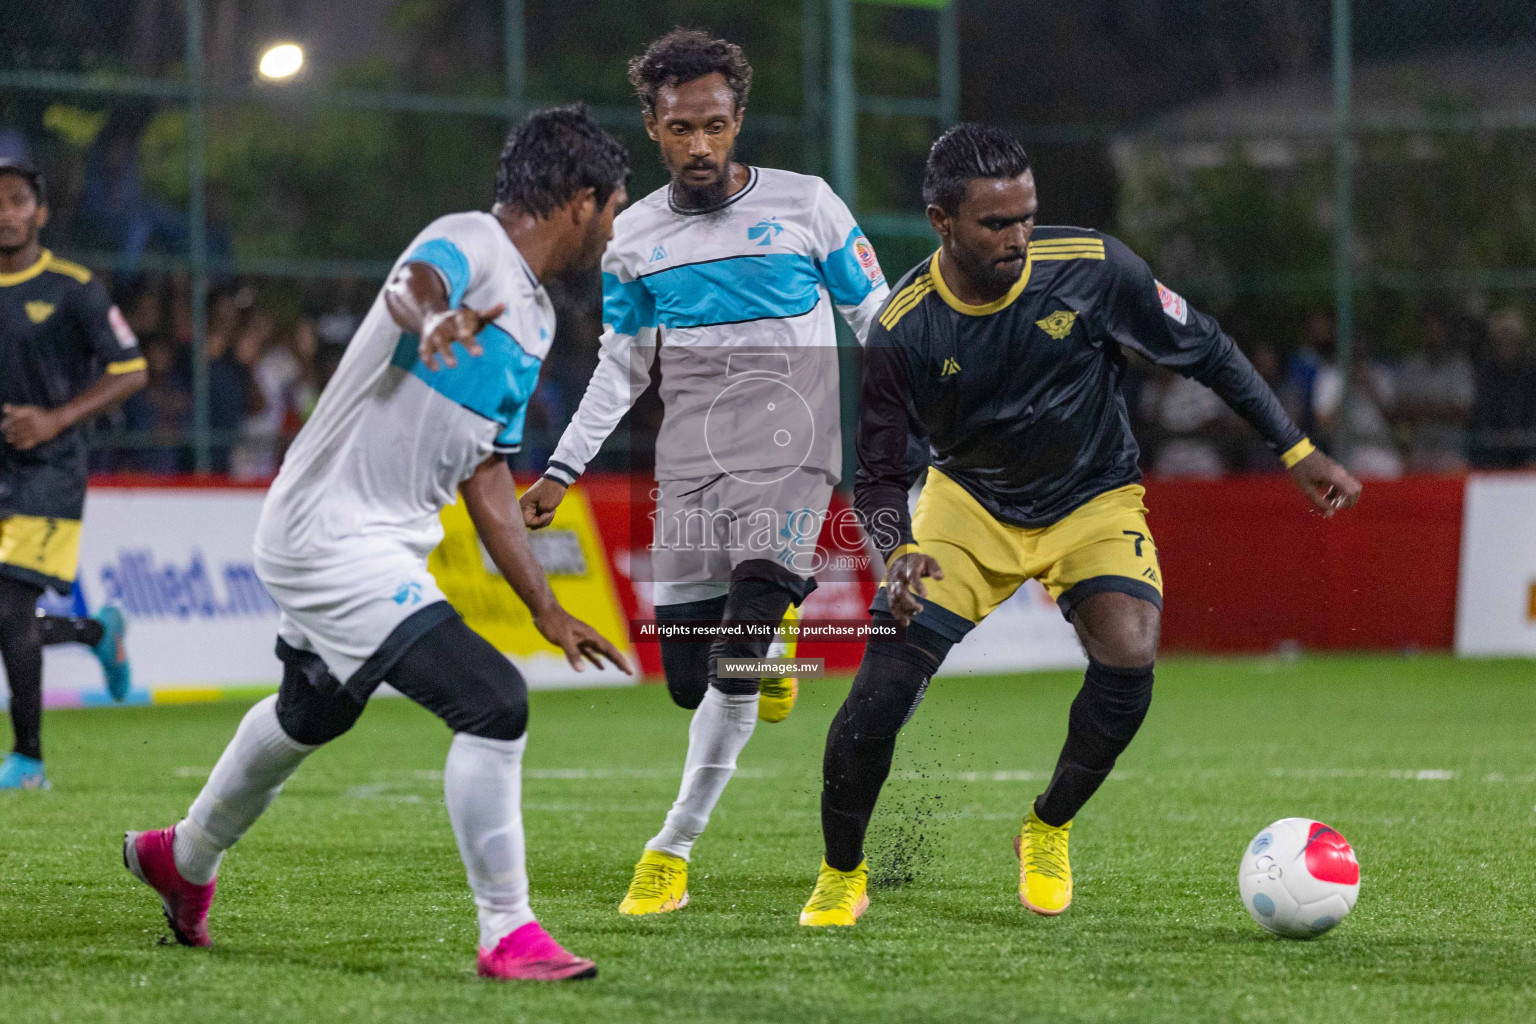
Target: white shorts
x=705, y=528
x=351, y=606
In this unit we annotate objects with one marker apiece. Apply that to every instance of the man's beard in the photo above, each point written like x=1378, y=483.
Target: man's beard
x=703, y=197
x=985, y=274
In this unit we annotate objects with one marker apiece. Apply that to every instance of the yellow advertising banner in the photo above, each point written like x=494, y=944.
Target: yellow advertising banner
x=572, y=554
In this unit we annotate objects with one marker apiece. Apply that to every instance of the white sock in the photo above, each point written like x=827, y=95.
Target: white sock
x=250, y=773
x=483, y=785
x=720, y=729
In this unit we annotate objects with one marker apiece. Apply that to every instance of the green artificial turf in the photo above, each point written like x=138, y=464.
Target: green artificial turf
x=347, y=901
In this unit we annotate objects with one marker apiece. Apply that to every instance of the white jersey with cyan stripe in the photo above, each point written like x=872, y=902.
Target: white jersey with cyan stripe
x=391, y=440
x=747, y=287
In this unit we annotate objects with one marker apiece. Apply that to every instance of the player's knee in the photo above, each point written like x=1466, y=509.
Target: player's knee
x=18, y=612
x=490, y=700
x=686, y=666
x=312, y=708
x=890, y=684
x=1119, y=629
x=501, y=716
x=685, y=663
x=754, y=578
x=761, y=592
x=456, y=674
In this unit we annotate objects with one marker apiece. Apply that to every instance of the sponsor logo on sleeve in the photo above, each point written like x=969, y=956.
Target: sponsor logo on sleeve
x=1173, y=303
x=865, y=254
x=120, y=328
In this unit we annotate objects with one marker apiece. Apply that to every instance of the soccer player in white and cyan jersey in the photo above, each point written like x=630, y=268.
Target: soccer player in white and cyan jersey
x=731, y=272
x=429, y=398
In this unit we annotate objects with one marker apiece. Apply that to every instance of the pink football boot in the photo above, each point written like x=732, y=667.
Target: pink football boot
x=529, y=954
x=149, y=857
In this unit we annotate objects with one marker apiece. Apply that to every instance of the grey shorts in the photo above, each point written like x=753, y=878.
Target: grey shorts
x=706, y=527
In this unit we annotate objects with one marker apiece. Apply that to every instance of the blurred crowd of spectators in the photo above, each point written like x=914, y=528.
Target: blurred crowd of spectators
x=267, y=365
x=1466, y=399
x=264, y=375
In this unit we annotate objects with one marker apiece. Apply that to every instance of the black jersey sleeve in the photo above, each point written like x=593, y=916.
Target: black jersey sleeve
x=889, y=435
x=1150, y=319
x=106, y=333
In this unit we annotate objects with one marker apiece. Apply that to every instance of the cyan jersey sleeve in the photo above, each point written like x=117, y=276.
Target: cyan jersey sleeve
x=463, y=249
x=496, y=385
x=848, y=265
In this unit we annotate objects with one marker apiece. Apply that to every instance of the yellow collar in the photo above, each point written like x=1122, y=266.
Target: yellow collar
x=991, y=307
x=7, y=280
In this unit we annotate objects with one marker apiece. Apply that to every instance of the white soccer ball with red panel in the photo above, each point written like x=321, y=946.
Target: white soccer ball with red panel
x=1299, y=878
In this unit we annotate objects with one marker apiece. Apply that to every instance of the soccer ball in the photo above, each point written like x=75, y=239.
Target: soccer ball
x=1299, y=878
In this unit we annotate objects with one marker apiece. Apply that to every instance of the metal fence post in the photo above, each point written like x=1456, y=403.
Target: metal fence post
x=949, y=64
x=515, y=56
x=842, y=125
x=1343, y=227
x=813, y=155
x=197, y=255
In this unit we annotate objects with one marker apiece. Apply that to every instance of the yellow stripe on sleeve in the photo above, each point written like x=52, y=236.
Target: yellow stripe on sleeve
x=908, y=294
x=1298, y=451
x=1059, y=254
x=905, y=300
x=127, y=366
x=1070, y=243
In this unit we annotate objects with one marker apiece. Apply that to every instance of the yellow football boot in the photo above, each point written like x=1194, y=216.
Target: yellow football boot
x=660, y=885
x=839, y=897
x=1045, y=874
x=776, y=698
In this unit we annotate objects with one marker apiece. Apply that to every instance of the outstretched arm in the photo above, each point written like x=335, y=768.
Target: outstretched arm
x=626, y=350
x=1149, y=318
x=418, y=302
x=491, y=499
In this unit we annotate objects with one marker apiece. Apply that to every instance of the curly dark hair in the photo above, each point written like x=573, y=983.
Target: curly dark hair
x=553, y=155
x=969, y=151
x=683, y=55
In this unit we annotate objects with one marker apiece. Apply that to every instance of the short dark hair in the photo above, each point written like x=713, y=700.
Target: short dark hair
x=553, y=155
x=26, y=172
x=685, y=54
x=965, y=152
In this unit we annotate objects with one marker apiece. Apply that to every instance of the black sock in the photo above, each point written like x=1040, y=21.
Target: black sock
x=66, y=629
x=1105, y=716
x=862, y=740
x=22, y=651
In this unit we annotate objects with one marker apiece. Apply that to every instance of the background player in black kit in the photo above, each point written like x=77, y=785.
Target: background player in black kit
x=1002, y=355
x=66, y=354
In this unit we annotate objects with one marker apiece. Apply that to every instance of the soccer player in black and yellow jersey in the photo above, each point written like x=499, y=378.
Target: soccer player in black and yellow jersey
x=66, y=354
x=1002, y=355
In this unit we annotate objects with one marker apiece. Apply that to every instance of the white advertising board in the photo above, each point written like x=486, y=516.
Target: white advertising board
x=1496, y=599
x=178, y=562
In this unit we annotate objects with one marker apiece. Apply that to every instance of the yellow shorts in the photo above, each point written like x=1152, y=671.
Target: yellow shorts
x=1101, y=546
x=41, y=550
